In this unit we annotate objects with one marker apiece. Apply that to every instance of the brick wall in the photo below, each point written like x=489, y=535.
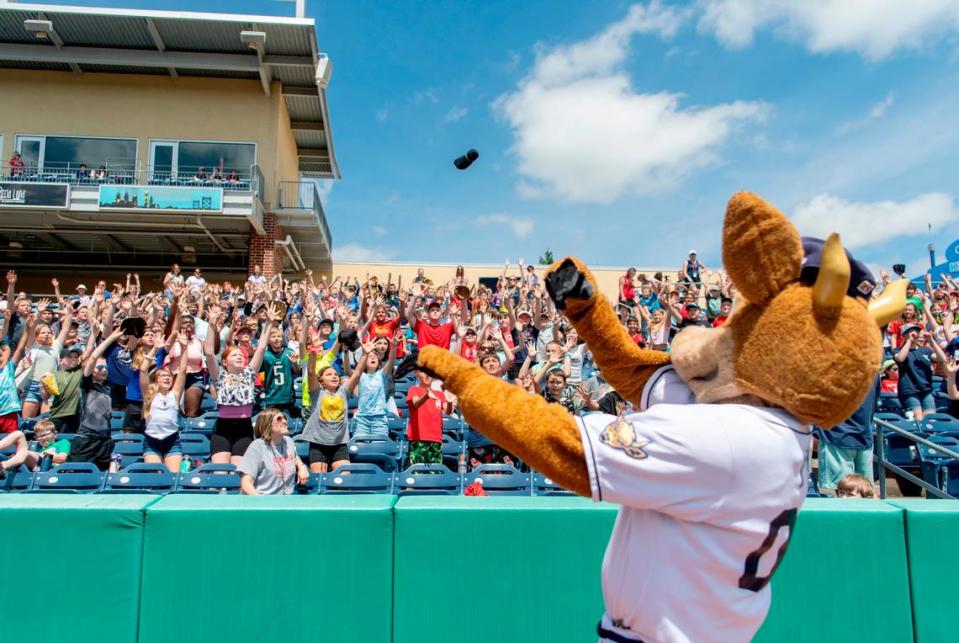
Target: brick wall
x=263, y=250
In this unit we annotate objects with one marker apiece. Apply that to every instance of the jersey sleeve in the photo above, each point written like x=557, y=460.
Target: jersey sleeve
x=669, y=458
x=665, y=387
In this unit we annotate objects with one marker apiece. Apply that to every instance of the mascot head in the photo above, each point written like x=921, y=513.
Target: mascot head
x=804, y=339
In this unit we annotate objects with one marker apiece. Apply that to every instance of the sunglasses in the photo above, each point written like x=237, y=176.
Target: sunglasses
x=100, y=367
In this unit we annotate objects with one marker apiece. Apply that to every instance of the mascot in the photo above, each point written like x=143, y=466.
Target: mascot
x=711, y=470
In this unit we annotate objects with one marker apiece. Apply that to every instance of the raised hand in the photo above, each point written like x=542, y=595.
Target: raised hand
x=11, y=277
x=183, y=339
x=43, y=304
x=55, y=283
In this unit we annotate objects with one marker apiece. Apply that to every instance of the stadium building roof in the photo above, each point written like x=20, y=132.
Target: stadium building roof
x=176, y=43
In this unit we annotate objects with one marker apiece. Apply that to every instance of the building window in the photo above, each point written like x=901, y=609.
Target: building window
x=184, y=159
x=66, y=154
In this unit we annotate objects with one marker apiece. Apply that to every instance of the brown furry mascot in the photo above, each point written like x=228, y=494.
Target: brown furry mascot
x=712, y=469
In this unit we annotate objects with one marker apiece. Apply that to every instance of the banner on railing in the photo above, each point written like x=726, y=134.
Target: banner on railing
x=161, y=198
x=49, y=196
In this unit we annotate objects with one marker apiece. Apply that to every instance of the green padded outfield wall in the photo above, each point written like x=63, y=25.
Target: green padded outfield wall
x=288, y=569
x=932, y=532
x=844, y=578
x=71, y=567
x=498, y=569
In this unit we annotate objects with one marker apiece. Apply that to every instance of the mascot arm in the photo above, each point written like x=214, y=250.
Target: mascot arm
x=543, y=435
x=625, y=366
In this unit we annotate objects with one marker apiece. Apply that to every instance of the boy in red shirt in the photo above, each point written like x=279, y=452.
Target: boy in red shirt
x=425, y=430
x=431, y=332
x=385, y=326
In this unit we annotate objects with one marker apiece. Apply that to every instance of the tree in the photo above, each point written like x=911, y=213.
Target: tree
x=546, y=258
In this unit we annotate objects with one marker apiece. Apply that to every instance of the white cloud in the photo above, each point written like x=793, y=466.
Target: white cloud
x=582, y=133
x=875, y=112
x=875, y=29
x=383, y=113
x=867, y=224
x=456, y=113
x=522, y=227
x=430, y=95
x=393, y=197
x=356, y=252
x=378, y=230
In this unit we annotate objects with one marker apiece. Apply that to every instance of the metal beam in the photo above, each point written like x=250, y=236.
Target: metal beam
x=288, y=61
x=56, y=240
x=315, y=153
x=266, y=76
x=295, y=90
x=158, y=41
x=129, y=57
x=169, y=243
x=116, y=243
x=312, y=126
x=58, y=42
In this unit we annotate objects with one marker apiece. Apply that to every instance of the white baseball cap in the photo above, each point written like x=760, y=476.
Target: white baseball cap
x=81, y=286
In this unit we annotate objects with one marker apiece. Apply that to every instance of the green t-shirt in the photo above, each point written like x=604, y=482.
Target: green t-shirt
x=58, y=447
x=67, y=401
x=278, y=377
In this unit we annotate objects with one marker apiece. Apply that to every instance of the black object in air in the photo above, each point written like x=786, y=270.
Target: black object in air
x=466, y=160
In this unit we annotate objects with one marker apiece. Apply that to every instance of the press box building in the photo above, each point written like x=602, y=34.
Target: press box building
x=135, y=139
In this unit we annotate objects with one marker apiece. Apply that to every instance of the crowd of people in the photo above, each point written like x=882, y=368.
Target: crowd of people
x=70, y=361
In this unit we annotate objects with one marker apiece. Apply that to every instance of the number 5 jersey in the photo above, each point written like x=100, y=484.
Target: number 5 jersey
x=709, y=496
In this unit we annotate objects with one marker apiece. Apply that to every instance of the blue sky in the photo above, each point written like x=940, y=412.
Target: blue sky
x=617, y=131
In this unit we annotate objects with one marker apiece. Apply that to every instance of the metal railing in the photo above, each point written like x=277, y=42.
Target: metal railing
x=250, y=179
x=881, y=427
x=303, y=195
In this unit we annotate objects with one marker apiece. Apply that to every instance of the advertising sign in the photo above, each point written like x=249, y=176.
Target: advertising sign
x=164, y=198
x=34, y=195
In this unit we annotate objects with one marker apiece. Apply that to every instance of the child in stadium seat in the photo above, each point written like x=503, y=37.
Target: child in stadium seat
x=854, y=485
x=425, y=429
x=279, y=367
x=93, y=442
x=234, y=395
x=327, y=429
x=269, y=465
x=161, y=410
x=46, y=436
x=373, y=388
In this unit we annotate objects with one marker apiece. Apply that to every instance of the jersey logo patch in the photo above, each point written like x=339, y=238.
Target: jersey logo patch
x=620, y=434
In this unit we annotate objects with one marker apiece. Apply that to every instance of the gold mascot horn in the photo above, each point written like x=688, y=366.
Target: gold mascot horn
x=889, y=304
x=831, y=285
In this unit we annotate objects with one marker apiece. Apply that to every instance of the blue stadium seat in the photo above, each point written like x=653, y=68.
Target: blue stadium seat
x=926, y=454
x=938, y=422
x=195, y=446
x=207, y=404
x=427, y=479
x=357, y=478
x=381, y=451
x=302, y=450
x=543, y=486
x=453, y=426
x=397, y=426
x=140, y=478
x=500, y=480
x=945, y=476
x=453, y=449
x=129, y=446
x=202, y=424
x=312, y=487
x=70, y=477
x=210, y=478
x=19, y=480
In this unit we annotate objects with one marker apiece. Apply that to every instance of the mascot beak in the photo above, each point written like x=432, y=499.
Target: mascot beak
x=890, y=303
x=831, y=285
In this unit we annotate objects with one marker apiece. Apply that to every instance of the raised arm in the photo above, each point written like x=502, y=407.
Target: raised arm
x=208, y=352
x=65, y=323
x=257, y=360
x=98, y=352
x=180, y=382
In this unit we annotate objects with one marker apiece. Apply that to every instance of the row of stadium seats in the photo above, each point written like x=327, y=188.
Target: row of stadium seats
x=420, y=479
x=934, y=467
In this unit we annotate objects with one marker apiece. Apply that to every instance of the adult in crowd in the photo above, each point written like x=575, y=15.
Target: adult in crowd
x=270, y=465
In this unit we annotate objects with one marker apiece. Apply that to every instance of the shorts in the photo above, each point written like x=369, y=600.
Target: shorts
x=328, y=453
x=368, y=425
x=88, y=447
x=67, y=423
x=836, y=462
x=912, y=401
x=133, y=417
x=9, y=422
x=170, y=445
x=195, y=380
x=231, y=435
x=425, y=452
x=118, y=396
x=33, y=393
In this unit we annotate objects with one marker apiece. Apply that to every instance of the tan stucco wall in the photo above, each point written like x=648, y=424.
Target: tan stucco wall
x=606, y=277
x=149, y=107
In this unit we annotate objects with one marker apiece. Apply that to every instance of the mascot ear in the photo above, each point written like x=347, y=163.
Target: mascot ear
x=762, y=251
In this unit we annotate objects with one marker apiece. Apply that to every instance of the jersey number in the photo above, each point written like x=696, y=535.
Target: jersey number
x=749, y=580
x=279, y=376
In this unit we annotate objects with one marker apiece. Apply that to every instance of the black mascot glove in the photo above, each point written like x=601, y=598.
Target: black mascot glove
x=567, y=282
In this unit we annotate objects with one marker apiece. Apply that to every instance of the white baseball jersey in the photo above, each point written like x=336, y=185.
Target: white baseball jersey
x=709, y=495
